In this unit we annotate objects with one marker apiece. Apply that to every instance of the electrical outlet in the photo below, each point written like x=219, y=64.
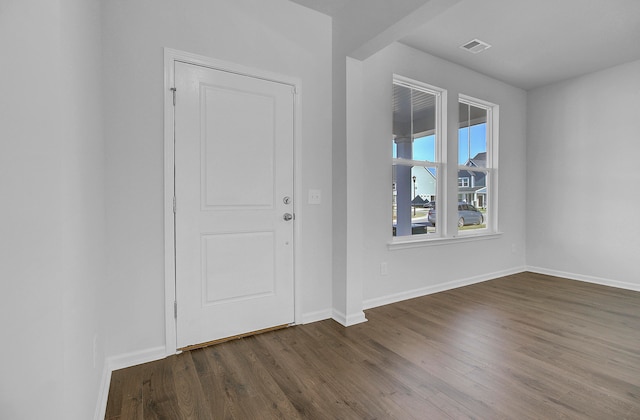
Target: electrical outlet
x=315, y=196
x=384, y=269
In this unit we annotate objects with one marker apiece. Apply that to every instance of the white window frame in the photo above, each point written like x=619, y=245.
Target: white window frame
x=491, y=170
x=440, y=155
x=444, y=146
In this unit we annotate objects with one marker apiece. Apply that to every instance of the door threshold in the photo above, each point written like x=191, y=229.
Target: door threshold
x=233, y=337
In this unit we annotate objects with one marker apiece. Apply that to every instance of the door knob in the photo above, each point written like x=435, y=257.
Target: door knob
x=287, y=216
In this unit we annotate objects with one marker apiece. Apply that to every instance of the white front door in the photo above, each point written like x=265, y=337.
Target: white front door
x=234, y=194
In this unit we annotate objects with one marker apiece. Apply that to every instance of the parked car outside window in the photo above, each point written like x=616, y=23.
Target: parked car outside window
x=467, y=215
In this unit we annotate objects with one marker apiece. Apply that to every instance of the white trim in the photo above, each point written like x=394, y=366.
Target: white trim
x=416, y=241
x=120, y=362
x=135, y=358
x=316, y=316
x=348, y=320
x=585, y=278
x=440, y=133
x=478, y=103
x=298, y=199
x=491, y=180
x=418, y=85
x=103, y=393
x=170, y=57
x=423, y=291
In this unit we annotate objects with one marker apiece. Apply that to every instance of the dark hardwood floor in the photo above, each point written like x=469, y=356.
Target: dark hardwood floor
x=526, y=346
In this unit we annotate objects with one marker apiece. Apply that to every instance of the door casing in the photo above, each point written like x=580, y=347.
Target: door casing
x=170, y=57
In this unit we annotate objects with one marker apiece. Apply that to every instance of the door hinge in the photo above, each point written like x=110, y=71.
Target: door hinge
x=174, y=95
x=174, y=204
x=175, y=309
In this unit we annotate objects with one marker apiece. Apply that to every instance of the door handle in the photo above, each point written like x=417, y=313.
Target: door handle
x=287, y=216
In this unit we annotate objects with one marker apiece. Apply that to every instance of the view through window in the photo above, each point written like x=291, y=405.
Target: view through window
x=419, y=171
x=416, y=156
x=475, y=164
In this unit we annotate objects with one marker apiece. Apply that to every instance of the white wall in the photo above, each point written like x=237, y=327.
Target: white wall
x=277, y=36
x=420, y=270
x=52, y=217
x=350, y=47
x=582, y=178
x=81, y=125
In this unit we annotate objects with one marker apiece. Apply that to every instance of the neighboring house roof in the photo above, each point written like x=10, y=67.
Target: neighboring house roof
x=431, y=171
x=478, y=161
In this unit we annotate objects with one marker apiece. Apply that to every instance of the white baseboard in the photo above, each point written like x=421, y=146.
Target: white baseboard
x=585, y=278
x=136, y=358
x=332, y=313
x=103, y=393
x=120, y=362
x=423, y=291
x=316, y=316
x=348, y=320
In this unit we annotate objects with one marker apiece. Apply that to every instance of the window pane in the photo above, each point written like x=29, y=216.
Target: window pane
x=472, y=135
x=472, y=201
x=414, y=124
x=424, y=148
x=414, y=138
x=472, y=154
x=414, y=194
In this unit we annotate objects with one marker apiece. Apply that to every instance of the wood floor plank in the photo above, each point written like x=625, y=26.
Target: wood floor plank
x=260, y=396
x=129, y=392
x=191, y=400
x=211, y=375
x=116, y=394
x=402, y=388
x=159, y=392
x=333, y=394
x=525, y=346
x=445, y=370
x=362, y=375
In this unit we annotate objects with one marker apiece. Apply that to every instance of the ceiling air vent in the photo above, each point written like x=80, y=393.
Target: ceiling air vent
x=475, y=46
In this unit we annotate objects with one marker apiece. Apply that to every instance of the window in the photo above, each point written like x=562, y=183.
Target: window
x=419, y=148
x=416, y=155
x=476, y=163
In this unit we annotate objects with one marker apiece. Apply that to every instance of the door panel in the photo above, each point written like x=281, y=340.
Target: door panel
x=234, y=166
x=226, y=112
x=224, y=280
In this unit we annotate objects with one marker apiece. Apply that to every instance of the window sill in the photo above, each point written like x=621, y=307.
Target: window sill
x=416, y=243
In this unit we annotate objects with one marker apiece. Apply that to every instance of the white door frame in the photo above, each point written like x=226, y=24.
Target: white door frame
x=171, y=56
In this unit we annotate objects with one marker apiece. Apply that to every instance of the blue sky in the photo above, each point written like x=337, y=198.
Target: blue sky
x=424, y=147
x=478, y=142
